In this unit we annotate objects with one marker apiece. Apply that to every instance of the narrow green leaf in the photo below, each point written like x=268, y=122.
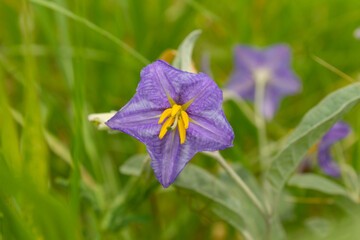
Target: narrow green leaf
x=201, y=8
x=45, y=215
x=58, y=148
x=183, y=58
x=9, y=136
x=93, y=27
x=15, y=225
x=312, y=127
x=318, y=183
x=33, y=144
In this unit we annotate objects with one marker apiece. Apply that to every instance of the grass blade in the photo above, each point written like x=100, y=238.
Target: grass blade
x=55, y=7
x=33, y=144
x=9, y=136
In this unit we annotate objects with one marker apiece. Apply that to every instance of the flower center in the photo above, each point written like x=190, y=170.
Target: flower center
x=262, y=75
x=175, y=117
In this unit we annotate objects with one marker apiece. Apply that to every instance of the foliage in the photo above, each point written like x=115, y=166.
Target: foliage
x=60, y=178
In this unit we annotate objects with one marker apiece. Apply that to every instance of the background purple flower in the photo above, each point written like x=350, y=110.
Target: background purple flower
x=161, y=87
x=357, y=33
x=272, y=65
x=326, y=162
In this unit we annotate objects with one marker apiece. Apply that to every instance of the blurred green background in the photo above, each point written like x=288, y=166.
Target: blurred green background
x=60, y=177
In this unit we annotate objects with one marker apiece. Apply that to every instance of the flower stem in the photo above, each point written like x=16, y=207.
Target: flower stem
x=260, y=122
x=217, y=156
x=247, y=111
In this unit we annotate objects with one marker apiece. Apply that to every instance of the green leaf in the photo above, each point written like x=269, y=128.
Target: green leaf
x=229, y=202
x=312, y=127
x=9, y=136
x=134, y=165
x=318, y=183
x=15, y=226
x=122, y=208
x=184, y=56
x=58, y=147
x=45, y=214
x=321, y=227
x=34, y=148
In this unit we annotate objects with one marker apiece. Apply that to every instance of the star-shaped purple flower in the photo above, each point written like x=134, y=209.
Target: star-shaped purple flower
x=326, y=162
x=175, y=114
x=271, y=67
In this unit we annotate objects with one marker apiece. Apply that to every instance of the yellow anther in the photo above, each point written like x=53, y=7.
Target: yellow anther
x=164, y=127
x=182, y=131
x=164, y=115
x=176, y=117
x=185, y=118
x=175, y=109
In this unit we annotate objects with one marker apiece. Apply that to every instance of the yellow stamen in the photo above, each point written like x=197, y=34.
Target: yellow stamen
x=176, y=117
x=164, y=115
x=185, y=118
x=175, y=109
x=182, y=131
x=164, y=127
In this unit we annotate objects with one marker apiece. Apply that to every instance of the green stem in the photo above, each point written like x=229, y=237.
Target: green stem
x=248, y=112
x=260, y=122
x=217, y=156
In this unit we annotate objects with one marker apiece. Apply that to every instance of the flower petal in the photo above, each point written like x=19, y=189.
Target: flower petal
x=248, y=57
x=286, y=81
x=337, y=132
x=181, y=86
x=208, y=122
x=277, y=56
x=138, y=118
x=210, y=133
x=169, y=157
x=326, y=162
x=242, y=82
x=271, y=102
x=155, y=85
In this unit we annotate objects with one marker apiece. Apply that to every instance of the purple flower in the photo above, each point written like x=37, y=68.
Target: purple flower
x=357, y=33
x=175, y=114
x=269, y=66
x=326, y=162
